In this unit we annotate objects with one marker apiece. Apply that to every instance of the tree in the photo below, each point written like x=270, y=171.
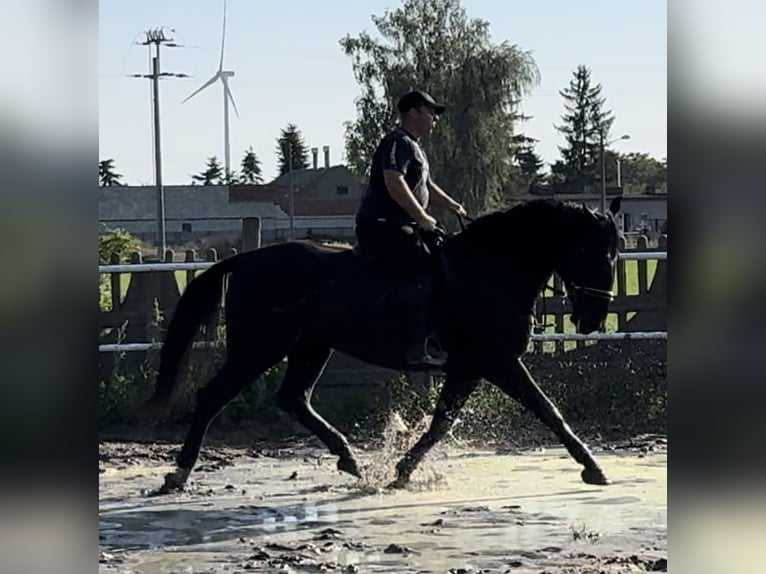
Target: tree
x=433, y=45
x=640, y=173
x=530, y=165
x=525, y=173
x=292, y=139
x=213, y=174
x=107, y=176
x=584, y=119
x=528, y=162
x=251, y=172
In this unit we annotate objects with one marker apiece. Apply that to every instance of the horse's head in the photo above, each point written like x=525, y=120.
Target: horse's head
x=587, y=265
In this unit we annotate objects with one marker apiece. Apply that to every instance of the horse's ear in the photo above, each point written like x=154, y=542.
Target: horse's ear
x=614, y=206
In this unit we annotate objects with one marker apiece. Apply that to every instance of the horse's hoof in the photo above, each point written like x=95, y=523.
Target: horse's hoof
x=349, y=465
x=399, y=484
x=166, y=488
x=402, y=480
x=594, y=475
x=163, y=490
x=174, y=482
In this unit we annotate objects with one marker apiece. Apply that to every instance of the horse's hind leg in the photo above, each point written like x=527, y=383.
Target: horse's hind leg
x=453, y=396
x=519, y=384
x=305, y=364
x=234, y=376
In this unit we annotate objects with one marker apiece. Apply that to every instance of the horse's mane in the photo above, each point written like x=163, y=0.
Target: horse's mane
x=522, y=220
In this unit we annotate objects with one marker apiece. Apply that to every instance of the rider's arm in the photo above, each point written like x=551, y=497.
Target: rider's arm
x=402, y=194
x=440, y=197
x=396, y=157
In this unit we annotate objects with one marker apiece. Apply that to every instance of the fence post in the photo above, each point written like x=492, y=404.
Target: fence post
x=208, y=331
x=190, y=257
x=643, y=265
x=251, y=233
x=651, y=299
x=622, y=281
x=114, y=284
x=557, y=311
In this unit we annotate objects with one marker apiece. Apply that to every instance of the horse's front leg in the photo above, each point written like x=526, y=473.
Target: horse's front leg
x=452, y=398
x=519, y=384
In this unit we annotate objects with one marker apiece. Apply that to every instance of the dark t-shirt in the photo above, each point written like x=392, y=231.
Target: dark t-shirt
x=397, y=151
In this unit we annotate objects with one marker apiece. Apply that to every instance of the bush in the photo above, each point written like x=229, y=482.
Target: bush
x=113, y=245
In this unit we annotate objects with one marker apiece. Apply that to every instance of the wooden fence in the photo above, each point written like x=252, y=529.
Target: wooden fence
x=639, y=310
x=142, y=314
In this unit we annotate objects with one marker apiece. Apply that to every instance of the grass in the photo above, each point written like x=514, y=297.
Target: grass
x=631, y=275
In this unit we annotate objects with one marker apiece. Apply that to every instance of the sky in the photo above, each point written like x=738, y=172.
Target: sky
x=289, y=68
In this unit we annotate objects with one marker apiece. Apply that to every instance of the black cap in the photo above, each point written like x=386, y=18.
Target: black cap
x=417, y=98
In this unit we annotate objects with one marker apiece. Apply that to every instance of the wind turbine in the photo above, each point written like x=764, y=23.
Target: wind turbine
x=224, y=76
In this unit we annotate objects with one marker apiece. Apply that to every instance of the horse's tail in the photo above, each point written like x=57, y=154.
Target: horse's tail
x=195, y=308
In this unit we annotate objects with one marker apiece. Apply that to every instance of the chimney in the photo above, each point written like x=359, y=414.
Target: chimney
x=315, y=157
x=326, y=150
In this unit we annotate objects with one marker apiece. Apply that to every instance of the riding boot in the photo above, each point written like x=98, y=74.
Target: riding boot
x=423, y=347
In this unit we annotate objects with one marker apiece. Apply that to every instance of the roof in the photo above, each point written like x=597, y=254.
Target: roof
x=306, y=183
x=579, y=197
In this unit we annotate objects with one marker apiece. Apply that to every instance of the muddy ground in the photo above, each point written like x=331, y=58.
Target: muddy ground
x=282, y=507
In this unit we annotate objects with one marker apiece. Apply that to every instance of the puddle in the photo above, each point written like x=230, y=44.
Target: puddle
x=465, y=510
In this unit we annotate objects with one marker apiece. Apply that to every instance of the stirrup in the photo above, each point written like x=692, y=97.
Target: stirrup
x=436, y=359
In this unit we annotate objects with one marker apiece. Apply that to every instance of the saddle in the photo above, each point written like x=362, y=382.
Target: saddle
x=395, y=288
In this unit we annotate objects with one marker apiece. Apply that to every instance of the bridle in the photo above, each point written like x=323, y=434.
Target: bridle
x=571, y=287
x=593, y=292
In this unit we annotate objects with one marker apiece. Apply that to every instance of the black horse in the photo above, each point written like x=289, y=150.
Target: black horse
x=301, y=300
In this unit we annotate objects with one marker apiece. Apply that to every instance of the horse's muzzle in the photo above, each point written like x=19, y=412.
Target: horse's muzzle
x=586, y=327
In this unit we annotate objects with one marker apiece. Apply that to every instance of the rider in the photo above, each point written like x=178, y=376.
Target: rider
x=394, y=206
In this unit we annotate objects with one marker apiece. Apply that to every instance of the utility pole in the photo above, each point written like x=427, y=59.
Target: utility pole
x=602, y=148
x=158, y=38
x=603, y=169
x=292, y=190
x=619, y=173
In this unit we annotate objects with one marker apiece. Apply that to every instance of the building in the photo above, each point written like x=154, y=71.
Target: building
x=324, y=206
x=639, y=213
x=325, y=202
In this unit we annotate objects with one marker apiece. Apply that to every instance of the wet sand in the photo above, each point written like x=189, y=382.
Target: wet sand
x=466, y=511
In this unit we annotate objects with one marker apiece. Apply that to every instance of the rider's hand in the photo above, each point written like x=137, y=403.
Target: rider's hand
x=427, y=222
x=459, y=209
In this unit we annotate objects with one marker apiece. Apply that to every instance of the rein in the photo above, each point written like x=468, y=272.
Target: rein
x=593, y=292
x=460, y=218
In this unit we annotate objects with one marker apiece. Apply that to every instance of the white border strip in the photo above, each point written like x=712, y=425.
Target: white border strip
x=600, y=336
x=639, y=335
x=121, y=347
x=145, y=267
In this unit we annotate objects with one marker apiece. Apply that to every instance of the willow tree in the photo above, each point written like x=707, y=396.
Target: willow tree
x=433, y=45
